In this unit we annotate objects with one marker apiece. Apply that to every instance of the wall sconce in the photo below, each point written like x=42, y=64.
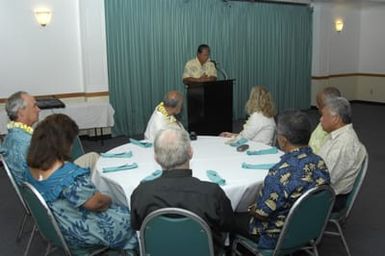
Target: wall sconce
x=43, y=16
x=339, y=25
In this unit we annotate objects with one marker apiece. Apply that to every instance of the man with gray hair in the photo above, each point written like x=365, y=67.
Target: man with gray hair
x=164, y=115
x=318, y=136
x=342, y=151
x=23, y=112
x=176, y=187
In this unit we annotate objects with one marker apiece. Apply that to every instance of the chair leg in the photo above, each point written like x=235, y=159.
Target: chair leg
x=34, y=229
x=48, y=249
x=342, y=237
x=234, y=251
x=21, y=228
x=315, y=250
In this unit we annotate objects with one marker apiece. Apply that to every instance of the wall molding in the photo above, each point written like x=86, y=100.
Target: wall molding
x=347, y=75
x=69, y=95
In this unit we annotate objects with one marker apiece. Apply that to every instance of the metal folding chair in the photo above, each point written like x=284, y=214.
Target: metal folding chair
x=303, y=227
x=27, y=213
x=47, y=225
x=175, y=232
x=339, y=218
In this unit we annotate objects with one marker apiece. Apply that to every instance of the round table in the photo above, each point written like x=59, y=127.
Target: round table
x=209, y=153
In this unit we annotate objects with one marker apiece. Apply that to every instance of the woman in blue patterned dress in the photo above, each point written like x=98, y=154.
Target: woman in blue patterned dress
x=87, y=218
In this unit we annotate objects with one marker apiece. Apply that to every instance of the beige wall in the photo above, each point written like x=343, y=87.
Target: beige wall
x=354, y=87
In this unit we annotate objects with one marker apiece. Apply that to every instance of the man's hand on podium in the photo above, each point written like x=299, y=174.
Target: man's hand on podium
x=206, y=78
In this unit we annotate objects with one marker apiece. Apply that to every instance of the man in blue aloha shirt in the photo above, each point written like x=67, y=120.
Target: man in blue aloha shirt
x=298, y=171
x=23, y=112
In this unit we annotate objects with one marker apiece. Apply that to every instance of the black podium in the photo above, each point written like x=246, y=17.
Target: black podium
x=210, y=107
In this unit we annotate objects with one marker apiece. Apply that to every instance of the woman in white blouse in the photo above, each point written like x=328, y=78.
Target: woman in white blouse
x=260, y=127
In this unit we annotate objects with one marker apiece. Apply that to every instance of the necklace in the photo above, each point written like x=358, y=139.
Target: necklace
x=162, y=109
x=26, y=128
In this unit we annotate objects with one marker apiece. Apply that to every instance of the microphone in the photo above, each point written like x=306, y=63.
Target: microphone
x=218, y=67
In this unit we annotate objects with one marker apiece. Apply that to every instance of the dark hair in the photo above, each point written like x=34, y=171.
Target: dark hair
x=51, y=141
x=331, y=92
x=295, y=126
x=202, y=47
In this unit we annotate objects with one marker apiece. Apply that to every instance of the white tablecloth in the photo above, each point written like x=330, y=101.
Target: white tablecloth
x=87, y=115
x=210, y=153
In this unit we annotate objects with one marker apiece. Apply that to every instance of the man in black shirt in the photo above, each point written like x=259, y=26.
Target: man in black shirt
x=177, y=188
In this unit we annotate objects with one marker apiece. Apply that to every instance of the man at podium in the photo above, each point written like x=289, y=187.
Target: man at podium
x=200, y=69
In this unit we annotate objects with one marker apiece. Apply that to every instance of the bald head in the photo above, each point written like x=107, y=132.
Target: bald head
x=173, y=101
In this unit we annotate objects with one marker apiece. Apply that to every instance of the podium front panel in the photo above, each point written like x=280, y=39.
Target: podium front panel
x=210, y=107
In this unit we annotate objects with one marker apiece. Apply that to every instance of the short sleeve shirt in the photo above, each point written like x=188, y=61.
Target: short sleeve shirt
x=297, y=172
x=195, y=69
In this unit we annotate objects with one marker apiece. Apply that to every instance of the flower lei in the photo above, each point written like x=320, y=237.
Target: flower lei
x=160, y=108
x=26, y=128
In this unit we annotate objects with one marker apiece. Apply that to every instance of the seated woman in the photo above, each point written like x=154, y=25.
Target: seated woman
x=87, y=218
x=260, y=127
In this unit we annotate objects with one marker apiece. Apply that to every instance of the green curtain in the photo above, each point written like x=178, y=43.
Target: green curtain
x=149, y=42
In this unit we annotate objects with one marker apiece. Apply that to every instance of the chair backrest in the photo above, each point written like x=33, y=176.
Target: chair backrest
x=77, y=149
x=356, y=187
x=44, y=219
x=14, y=184
x=306, y=220
x=175, y=231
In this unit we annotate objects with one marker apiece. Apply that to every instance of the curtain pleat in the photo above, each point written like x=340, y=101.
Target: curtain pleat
x=149, y=42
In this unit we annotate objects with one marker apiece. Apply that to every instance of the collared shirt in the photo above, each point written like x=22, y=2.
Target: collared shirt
x=343, y=154
x=317, y=138
x=297, y=172
x=159, y=120
x=177, y=188
x=195, y=69
x=259, y=128
x=15, y=148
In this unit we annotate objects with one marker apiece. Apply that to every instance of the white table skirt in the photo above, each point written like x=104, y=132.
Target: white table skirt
x=210, y=153
x=87, y=115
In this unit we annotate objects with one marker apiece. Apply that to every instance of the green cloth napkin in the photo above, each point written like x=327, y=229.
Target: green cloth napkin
x=142, y=144
x=120, y=168
x=268, y=151
x=214, y=177
x=238, y=142
x=127, y=154
x=257, y=166
x=156, y=174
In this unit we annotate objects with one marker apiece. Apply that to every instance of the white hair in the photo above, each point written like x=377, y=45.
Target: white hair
x=15, y=102
x=172, y=147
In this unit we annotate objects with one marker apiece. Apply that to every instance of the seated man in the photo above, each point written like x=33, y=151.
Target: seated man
x=177, y=188
x=318, y=136
x=200, y=69
x=298, y=171
x=164, y=115
x=23, y=112
x=342, y=150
